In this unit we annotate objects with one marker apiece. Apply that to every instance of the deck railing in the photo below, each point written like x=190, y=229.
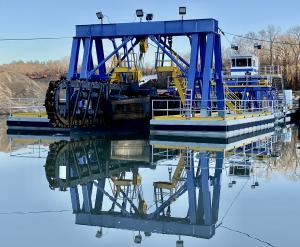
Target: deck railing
x=270, y=70
x=171, y=107
x=34, y=106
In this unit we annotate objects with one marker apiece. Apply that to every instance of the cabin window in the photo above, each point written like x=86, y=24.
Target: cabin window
x=241, y=62
x=253, y=62
x=249, y=62
x=233, y=62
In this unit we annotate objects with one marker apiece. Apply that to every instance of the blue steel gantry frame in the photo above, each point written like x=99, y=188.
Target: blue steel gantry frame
x=204, y=66
x=202, y=210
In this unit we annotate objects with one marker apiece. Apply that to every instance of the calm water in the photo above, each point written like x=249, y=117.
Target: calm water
x=242, y=194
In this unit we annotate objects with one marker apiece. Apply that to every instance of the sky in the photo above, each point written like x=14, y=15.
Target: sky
x=56, y=18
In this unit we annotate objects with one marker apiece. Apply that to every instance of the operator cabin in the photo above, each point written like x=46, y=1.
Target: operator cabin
x=245, y=64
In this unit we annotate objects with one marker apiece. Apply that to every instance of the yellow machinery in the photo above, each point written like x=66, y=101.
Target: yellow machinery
x=175, y=178
x=175, y=78
x=232, y=100
x=132, y=186
x=128, y=69
x=121, y=70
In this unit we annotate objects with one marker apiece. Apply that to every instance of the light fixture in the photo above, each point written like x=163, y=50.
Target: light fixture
x=149, y=17
x=100, y=16
x=257, y=46
x=182, y=10
x=139, y=14
x=99, y=233
x=138, y=239
x=234, y=47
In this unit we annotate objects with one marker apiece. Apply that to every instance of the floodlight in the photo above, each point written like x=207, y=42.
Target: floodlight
x=182, y=10
x=234, y=47
x=149, y=17
x=138, y=239
x=139, y=13
x=99, y=233
x=100, y=16
x=179, y=243
x=257, y=46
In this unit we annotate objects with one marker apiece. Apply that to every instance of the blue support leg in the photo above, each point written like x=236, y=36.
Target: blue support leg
x=72, y=74
x=204, y=161
x=99, y=195
x=87, y=197
x=100, y=57
x=75, y=199
x=191, y=76
x=191, y=188
x=86, y=58
x=219, y=76
x=202, y=43
x=207, y=75
x=217, y=186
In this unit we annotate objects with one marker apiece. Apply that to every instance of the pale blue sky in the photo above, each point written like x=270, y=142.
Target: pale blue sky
x=37, y=18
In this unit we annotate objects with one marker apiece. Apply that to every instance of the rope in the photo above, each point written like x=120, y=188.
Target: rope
x=248, y=235
x=35, y=212
x=232, y=203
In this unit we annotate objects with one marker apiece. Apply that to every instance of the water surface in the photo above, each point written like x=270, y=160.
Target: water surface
x=247, y=195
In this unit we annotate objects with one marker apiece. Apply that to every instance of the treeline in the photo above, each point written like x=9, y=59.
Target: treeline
x=277, y=48
x=52, y=69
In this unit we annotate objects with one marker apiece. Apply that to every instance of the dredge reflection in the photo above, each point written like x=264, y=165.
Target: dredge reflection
x=107, y=180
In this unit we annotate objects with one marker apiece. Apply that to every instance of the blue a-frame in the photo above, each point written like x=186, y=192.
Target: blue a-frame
x=205, y=63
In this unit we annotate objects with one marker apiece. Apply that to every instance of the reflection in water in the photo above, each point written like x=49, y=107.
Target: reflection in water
x=108, y=180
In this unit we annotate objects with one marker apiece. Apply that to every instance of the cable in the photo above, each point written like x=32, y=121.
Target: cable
x=35, y=212
x=248, y=235
x=256, y=39
x=36, y=38
x=233, y=201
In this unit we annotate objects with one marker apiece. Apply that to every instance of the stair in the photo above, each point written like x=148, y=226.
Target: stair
x=179, y=83
x=175, y=178
x=232, y=101
x=188, y=103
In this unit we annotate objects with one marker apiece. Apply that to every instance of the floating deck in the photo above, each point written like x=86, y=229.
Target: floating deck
x=212, y=127
x=32, y=124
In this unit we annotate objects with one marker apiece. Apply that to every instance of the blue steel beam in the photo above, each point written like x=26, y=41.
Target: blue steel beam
x=207, y=74
x=193, y=65
x=99, y=195
x=175, y=53
x=75, y=199
x=163, y=28
x=219, y=76
x=109, y=56
x=172, y=226
x=182, y=69
x=100, y=57
x=72, y=74
x=204, y=163
x=217, y=186
x=112, y=199
x=85, y=67
x=177, y=194
x=87, y=197
x=191, y=188
x=124, y=56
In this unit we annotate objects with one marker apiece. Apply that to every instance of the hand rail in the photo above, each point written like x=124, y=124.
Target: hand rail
x=238, y=107
x=28, y=105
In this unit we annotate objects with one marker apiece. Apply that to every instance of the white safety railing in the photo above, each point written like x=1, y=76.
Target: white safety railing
x=171, y=107
x=270, y=70
x=26, y=105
